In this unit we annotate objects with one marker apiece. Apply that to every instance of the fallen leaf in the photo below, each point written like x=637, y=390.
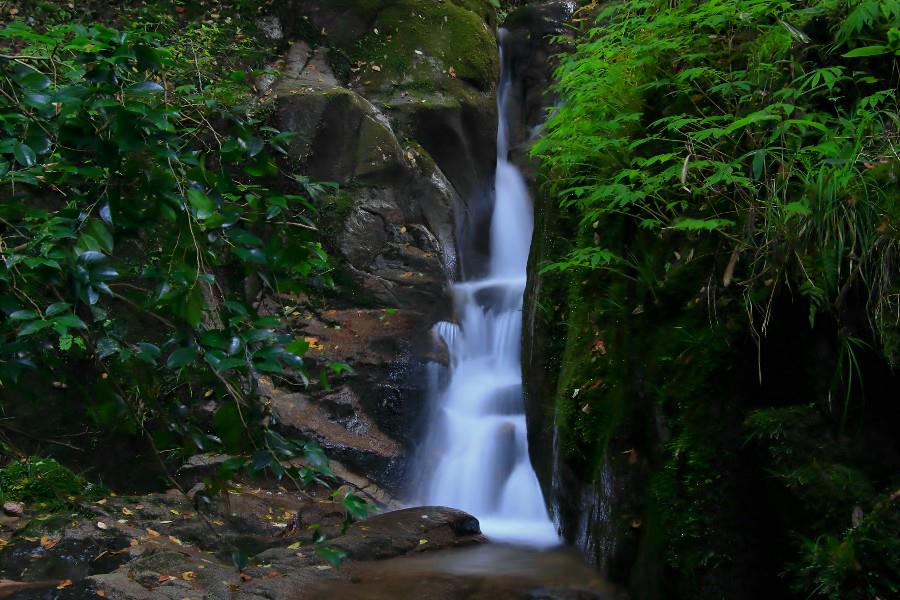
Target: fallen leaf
x=100, y=593
x=188, y=575
x=423, y=542
x=48, y=542
x=126, y=511
x=152, y=532
x=64, y=584
x=451, y=72
x=103, y=501
x=165, y=578
x=175, y=540
x=245, y=577
x=102, y=525
x=376, y=68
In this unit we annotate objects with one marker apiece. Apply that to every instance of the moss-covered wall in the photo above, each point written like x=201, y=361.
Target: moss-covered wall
x=713, y=418
x=680, y=469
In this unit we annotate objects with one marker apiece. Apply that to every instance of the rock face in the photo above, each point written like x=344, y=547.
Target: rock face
x=394, y=101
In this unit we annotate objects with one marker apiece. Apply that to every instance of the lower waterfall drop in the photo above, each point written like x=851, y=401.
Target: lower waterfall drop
x=478, y=426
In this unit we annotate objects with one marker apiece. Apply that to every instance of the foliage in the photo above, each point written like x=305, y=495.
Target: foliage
x=777, y=133
x=714, y=163
x=144, y=214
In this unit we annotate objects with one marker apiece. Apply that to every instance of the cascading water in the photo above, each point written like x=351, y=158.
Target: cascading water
x=478, y=423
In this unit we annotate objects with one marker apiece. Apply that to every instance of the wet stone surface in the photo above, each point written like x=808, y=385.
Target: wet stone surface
x=158, y=547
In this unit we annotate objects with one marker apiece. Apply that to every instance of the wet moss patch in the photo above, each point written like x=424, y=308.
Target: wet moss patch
x=401, y=46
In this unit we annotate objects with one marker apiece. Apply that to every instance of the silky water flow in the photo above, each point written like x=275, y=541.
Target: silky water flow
x=477, y=431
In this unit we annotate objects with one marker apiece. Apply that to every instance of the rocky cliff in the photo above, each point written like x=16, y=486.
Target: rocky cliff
x=395, y=102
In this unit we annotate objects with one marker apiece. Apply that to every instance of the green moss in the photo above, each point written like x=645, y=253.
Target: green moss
x=43, y=482
x=419, y=42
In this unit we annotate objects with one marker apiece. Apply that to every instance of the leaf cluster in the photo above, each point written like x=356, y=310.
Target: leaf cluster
x=143, y=218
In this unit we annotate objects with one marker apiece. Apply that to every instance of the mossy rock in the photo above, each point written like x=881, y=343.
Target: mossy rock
x=41, y=481
x=341, y=136
x=380, y=44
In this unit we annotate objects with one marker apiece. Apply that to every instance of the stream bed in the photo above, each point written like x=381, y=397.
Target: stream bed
x=485, y=572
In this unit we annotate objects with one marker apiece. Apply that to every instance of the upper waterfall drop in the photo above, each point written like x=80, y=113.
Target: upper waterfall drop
x=477, y=429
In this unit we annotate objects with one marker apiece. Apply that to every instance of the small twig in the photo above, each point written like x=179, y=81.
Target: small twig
x=18, y=431
x=25, y=57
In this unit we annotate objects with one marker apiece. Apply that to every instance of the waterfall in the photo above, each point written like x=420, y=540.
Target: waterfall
x=477, y=434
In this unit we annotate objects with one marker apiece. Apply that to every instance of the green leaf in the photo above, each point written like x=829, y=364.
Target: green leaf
x=298, y=347
x=147, y=57
x=38, y=141
x=193, y=307
x=33, y=327
x=796, y=208
x=145, y=87
x=182, y=357
x=69, y=321
x=37, y=100
x=35, y=81
x=24, y=315
x=356, y=507
x=251, y=255
x=106, y=347
x=25, y=156
x=254, y=146
x=202, y=203
x=57, y=308
x=867, y=51
x=702, y=224
x=333, y=556
x=149, y=353
x=96, y=236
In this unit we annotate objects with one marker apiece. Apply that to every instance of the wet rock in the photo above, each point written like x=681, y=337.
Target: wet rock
x=565, y=594
x=367, y=422
x=13, y=509
x=199, y=467
x=410, y=530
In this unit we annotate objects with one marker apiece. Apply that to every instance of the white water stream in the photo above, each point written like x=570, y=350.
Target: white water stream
x=478, y=423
